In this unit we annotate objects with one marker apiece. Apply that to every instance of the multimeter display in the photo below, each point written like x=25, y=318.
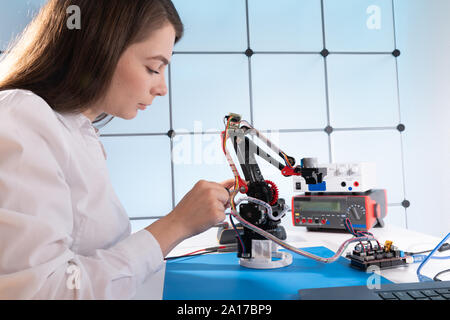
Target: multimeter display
x=330, y=211
x=320, y=205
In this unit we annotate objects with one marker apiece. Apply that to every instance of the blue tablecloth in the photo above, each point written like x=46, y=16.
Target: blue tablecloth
x=220, y=277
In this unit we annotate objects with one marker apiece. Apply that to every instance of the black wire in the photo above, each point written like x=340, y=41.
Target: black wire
x=435, y=278
x=444, y=247
x=237, y=233
x=420, y=252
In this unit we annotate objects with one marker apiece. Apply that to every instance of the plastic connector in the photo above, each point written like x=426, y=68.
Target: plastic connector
x=444, y=247
x=419, y=258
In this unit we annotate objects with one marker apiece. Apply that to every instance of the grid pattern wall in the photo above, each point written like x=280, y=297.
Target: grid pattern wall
x=319, y=77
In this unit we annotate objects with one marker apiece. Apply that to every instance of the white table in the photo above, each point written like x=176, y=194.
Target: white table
x=405, y=240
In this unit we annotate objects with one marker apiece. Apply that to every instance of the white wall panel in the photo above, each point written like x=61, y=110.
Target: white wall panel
x=140, y=173
x=300, y=93
x=287, y=25
x=288, y=91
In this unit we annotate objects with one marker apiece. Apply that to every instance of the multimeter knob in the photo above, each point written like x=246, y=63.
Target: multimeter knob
x=356, y=211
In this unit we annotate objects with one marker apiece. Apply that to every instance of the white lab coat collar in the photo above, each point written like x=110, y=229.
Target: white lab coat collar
x=77, y=121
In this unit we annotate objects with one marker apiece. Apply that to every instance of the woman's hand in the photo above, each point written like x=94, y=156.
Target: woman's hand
x=200, y=209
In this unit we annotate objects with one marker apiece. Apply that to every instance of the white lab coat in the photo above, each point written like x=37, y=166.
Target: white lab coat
x=63, y=232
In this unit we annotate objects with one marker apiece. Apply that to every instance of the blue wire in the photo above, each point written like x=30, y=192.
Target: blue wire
x=420, y=276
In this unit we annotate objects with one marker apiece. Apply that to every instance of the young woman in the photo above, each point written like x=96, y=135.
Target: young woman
x=63, y=232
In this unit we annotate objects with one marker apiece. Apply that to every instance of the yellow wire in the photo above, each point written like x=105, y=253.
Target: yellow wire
x=287, y=160
x=236, y=180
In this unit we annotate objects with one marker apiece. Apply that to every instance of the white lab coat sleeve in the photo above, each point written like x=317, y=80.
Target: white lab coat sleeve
x=36, y=220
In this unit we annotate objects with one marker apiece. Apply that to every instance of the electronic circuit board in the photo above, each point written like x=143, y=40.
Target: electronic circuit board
x=383, y=257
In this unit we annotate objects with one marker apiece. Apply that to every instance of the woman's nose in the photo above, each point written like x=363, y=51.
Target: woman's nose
x=160, y=89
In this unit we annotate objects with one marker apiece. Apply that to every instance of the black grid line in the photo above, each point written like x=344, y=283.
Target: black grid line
x=172, y=169
x=361, y=52
x=112, y=135
x=322, y=16
x=402, y=154
x=247, y=22
x=183, y=133
x=286, y=52
x=327, y=96
x=250, y=90
x=250, y=82
x=365, y=128
x=282, y=52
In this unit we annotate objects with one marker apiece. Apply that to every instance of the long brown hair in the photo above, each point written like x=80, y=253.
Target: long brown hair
x=72, y=68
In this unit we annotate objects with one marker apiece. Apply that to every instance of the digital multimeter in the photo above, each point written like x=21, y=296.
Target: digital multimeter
x=328, y=211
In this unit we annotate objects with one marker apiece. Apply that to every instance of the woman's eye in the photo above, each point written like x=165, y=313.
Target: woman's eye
x=152, y=71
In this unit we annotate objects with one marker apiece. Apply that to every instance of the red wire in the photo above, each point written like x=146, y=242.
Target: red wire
x=188, y=254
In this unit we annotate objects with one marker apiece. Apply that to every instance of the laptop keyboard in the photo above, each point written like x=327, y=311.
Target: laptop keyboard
x=430, y=294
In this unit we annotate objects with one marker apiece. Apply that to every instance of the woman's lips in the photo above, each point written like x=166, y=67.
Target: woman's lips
x=142, y=106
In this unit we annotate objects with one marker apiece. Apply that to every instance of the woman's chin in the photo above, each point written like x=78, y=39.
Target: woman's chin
x=129, y=115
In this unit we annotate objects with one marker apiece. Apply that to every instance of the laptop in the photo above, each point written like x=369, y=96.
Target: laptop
x=430, y=290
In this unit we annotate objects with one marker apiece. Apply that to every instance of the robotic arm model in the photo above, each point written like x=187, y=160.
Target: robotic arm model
x=263, y=210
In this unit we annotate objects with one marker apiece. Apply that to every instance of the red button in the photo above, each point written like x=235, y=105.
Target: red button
x=297, y=221
x=323, y=221
x=356, y=184
x=309, y=220
x=303, y=220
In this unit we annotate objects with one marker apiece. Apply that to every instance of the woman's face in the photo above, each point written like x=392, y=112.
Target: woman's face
x=139, y=76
